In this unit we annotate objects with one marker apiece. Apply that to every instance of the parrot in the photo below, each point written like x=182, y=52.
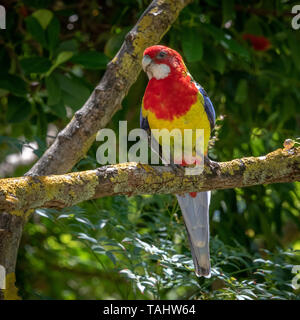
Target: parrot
x=174, y=100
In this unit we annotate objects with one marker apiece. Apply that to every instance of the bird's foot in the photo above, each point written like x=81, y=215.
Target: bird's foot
x=177, y=168
x=213, y=165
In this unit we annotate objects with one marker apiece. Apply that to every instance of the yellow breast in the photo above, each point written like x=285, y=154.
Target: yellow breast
x=195, y=118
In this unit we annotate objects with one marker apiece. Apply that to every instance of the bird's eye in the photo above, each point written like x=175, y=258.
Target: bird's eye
x=162, y=54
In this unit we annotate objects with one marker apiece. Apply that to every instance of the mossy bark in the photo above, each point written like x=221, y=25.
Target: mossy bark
x=19, y=195
x=73, y=142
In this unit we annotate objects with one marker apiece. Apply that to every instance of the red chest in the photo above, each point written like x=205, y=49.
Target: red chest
x=170, y=97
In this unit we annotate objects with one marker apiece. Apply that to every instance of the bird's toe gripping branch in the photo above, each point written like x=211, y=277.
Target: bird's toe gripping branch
x=213, y=165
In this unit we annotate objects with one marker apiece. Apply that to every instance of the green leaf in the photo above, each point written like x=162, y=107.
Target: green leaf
x=192, y=44
x=53, y=90
x=43, y=16
x=53, y=33
x=44, y=213
x=220, y=63
x=295, y=49
x=75, y=93
x=141, y=287
x=42, y=147
x=215, y=59
x=42, y=123
x=86, y=237
x=36, y=30
x=227, y=41
x=69, y=45
x=18, y=109
x=228, y=10
x=5, y=60
x=111, y=257
x=215, y=32
x=72, y=101
x=91, y=60
x=114, y=43
x=13, y=84
x=3, y=92
x=252, y=26
x=241, y=92
x=35, y=65
x=63, y=57
x=235, y=47
x=13, y=142
x=128, y=273
x=37, y=3
x=98, y=249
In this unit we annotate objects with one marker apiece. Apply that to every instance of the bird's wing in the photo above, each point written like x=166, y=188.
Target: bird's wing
x=152, y=142
x=144, y=124
x=208, y=106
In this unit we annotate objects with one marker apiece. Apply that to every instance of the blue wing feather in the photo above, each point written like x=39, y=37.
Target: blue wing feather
x=144, y=124
x=208, y=106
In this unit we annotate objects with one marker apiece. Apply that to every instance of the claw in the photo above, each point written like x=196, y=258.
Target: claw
x=213, y=165
x=177, y=168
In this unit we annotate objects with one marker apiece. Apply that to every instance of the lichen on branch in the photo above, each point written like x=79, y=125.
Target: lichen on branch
x=59, y=191
x=73, y=142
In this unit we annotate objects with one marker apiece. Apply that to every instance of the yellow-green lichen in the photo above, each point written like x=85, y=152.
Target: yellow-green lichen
x=126, y=65
x=144, y=36
x=120, y=179
x=33, y=192
x=10, y=291
x=72, y=188
x=146, y=167
x=22, y=213
x=232, y=167
x=257, y=169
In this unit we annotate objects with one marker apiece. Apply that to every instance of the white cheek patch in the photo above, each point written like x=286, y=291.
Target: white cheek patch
x=149, y=74
x=159, y=71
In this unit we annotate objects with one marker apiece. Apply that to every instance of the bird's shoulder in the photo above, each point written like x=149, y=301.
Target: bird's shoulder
x=208, y=106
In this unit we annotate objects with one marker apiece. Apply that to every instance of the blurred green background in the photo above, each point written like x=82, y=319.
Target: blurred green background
x=247, y=56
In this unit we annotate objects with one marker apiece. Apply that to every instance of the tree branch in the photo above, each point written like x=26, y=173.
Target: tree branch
x=73, y=142
x=59, y=191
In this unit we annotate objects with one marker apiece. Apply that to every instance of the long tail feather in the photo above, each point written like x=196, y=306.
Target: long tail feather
x=195, y=212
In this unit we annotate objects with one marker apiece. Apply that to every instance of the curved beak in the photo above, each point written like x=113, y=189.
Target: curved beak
x=146, y=62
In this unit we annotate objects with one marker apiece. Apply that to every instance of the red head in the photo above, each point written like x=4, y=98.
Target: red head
x=170, y=92
x=159, y=62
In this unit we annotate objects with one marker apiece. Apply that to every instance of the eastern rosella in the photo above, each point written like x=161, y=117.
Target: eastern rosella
x=174, y=100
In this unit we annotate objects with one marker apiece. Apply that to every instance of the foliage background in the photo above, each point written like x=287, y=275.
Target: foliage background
x=53, y=53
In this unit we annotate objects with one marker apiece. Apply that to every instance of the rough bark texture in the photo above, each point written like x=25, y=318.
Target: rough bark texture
x=58, y=191
x=11, y=227
x=73, y=142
